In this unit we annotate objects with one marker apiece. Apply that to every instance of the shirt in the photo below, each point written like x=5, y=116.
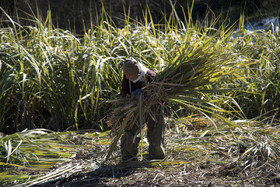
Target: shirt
x=129, y=86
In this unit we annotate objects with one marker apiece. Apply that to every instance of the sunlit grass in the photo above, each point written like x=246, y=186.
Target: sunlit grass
x=38, y=151
x=52, y=79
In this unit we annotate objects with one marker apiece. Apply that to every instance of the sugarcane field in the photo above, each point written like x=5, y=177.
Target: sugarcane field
x=139, y=93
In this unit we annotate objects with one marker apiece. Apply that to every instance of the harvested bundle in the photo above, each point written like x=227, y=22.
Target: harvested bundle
x=182, y=79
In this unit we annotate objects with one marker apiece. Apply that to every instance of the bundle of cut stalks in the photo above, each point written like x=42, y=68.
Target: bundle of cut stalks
x=180, y=82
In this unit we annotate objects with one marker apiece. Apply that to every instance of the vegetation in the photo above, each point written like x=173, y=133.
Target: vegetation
x=224, y=75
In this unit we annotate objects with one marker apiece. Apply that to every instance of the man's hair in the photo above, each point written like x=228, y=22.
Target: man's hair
x=131, y=66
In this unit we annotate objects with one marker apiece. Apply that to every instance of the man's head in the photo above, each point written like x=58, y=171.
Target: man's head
x=132, y=68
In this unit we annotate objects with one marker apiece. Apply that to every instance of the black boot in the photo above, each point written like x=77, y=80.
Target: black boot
x=129, y=146
x=156, y=133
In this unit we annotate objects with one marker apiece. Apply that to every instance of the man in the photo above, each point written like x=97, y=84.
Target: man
x=135, y=77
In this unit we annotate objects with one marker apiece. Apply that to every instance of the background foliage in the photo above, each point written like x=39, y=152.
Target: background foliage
x=76, y=15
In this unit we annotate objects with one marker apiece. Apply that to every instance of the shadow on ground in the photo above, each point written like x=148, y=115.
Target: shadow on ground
x=106, y=175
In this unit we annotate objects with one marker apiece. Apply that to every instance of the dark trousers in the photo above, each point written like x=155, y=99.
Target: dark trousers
x=155, y=135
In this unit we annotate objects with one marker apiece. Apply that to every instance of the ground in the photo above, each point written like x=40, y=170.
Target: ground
x=197, y=155
x=172, y=174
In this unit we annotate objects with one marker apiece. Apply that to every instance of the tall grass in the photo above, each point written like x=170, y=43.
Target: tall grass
x=52, y=79
x=263, y=78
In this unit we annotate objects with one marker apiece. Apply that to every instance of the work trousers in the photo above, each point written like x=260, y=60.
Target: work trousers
x=155, y=135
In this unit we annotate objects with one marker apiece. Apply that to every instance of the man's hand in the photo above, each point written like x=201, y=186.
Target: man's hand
x=137, y=92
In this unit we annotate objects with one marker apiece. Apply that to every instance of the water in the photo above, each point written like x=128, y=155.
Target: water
x=266, y=24
x=270, y=23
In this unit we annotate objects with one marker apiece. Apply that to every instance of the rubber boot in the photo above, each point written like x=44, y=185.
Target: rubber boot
x=155, y=133
x=129, y=144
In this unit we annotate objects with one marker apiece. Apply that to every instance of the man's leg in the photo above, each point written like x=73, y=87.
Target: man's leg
x=129, y=143
x=156, y=132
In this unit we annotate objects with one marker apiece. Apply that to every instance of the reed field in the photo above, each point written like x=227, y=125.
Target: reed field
x=59, y=97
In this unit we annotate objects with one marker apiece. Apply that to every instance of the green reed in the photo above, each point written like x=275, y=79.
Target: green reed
x=51, y=78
